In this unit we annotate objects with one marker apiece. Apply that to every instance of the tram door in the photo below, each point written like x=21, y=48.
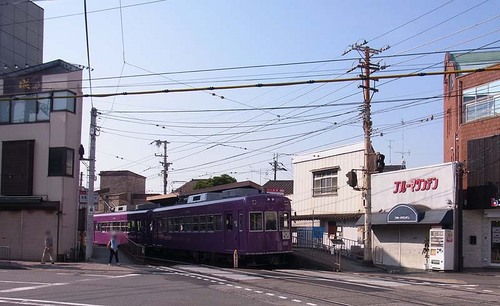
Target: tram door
x=230, y=231
x=241, y=235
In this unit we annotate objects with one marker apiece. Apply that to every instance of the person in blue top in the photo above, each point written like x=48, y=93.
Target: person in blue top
x=113, y=249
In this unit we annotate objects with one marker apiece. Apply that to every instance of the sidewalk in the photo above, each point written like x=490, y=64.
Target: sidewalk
x=98, y=262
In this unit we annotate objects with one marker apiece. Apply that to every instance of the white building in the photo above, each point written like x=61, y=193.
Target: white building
x=321, y=196
x=406, y=204
x=40, y=134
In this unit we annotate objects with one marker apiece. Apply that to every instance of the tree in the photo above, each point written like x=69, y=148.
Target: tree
x=215, y=181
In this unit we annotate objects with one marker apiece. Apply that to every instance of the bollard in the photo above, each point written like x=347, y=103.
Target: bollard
x=235, y=259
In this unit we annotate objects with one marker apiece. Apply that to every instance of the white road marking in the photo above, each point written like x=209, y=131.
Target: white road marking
x=18, y=282
x=487, y=290
x=229, y=285
x=311, y=304
x=282, y=297
x=248, y=289
x=237, y=287
x=270, y=294
x=32, y=287
x=258, y=291
x=39, y=302
x=297, y=301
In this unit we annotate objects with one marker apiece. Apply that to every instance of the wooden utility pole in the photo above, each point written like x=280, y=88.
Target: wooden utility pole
x=367, y=68
x=90, y=192
x=164, y=163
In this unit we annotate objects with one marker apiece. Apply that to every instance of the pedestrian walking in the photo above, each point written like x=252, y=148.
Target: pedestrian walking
x=48, y=248
x=113, y=249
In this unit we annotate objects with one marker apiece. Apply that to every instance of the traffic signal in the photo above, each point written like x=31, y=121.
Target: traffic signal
x=380, y=162
x=352, y=179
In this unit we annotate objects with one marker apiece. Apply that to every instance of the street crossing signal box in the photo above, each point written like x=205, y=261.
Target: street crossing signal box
x=441, y=249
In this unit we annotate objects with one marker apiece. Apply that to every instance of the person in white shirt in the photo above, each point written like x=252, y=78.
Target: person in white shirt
x=113, y=249
x=48, y=248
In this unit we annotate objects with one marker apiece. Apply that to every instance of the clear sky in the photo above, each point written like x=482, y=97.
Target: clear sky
x=130, y=38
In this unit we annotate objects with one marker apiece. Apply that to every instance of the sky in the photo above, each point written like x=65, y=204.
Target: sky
x=151, y=45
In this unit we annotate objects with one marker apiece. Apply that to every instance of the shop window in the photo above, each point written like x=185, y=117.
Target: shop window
x=61, y=161
x=4, y=112
x=271, y=221
x=325, y=182
x=255, y=221
x=63, y=101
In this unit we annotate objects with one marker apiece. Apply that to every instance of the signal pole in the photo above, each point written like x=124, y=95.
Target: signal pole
x=89, y=243
x=367, y=68
x=164, y=163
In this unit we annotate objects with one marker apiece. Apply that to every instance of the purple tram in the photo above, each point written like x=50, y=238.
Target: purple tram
x=134, y=225
x=257, y=226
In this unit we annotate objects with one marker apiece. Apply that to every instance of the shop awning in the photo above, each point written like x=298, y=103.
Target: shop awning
x=408, y=214
x=327, y=217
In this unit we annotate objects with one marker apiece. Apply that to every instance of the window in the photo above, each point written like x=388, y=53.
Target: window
x=325, y=182
x=229, y=222
x=188, y=224
x=61, y=161
x=36, y=107
x=210, y=223
x=481, y=102
x=218, y=222
x=255, y=221
x=17, y=168
x=4, y=111
x=240, y=222
x=195, y=224
x=284, y=221
x=63, y=101
x=271, y=221
x=23, y=111
x=203, y=223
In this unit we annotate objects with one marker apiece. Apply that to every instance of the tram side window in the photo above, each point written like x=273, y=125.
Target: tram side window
x=195, y=224
x=203, y=223
x=240, y=222
x=181, y=224
x=210, y=223
x=271, y=221
x=218, y=222
x=171, y=224
x=255, y=221
x=188, y=224
x=164, y=227
x=284, y=221
x=229, y=222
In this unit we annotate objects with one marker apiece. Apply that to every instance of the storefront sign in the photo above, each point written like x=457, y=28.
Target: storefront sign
x=402, y=214
x=416, y=185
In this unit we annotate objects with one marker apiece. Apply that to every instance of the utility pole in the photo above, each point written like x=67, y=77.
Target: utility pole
x=90, y=192
x=367, y=68
x=277, y=166
x=164, y=163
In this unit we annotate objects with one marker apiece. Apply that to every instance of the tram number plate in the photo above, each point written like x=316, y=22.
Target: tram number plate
x=285, y=235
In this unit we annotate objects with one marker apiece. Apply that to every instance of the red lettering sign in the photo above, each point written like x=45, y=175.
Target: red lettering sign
x=416, y=185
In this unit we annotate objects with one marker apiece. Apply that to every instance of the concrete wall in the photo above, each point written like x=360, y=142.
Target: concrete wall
x=126, y=183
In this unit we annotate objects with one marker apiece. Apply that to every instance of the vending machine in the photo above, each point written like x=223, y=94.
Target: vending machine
x=441, y=249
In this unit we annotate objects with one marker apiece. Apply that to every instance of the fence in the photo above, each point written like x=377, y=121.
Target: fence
x=134, y=250
x=313, y=239
x=5, y=254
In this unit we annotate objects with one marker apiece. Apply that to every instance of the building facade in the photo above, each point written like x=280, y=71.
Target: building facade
x=322, y=200
x=472, y=137
x=406, y=205
x=40, y=128
x=121, y=188
x=21, y=35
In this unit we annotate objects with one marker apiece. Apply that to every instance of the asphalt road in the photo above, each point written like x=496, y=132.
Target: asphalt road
x=97, y=284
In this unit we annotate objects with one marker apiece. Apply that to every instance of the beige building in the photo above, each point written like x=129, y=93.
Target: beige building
x=321, y=196
x=40, y=133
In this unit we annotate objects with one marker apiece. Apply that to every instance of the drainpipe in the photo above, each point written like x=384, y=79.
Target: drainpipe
x=58, y=213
